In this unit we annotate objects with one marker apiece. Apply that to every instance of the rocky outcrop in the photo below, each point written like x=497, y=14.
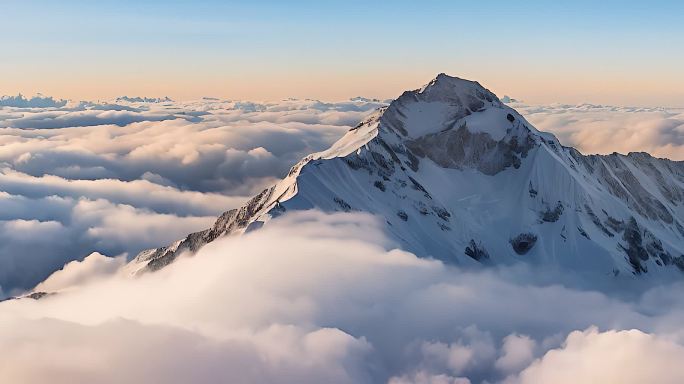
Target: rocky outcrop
x=476, y=251
x=227, y=223
x=523, y=243
x=460, y=148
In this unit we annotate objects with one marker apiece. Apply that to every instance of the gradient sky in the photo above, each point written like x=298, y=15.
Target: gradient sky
x=539, y=51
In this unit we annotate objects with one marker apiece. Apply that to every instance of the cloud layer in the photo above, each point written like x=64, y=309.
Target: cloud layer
x=627, y=357
x=606, y=129
x=315, y=297
x=124, y=176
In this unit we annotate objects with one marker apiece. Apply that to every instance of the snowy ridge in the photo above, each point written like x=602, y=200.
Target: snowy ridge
x=462, y=177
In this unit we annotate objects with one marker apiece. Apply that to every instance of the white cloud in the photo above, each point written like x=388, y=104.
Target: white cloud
x=27, y=230
x=77, y=272
x=113, y=224
x=150, y=172
x=58, y=229
x=140, y=193
x=122, y=351
x=605, y=129
x=625, y=357
x=517, y=353
x=319, y=298
x=93, y=117
x=188, y=147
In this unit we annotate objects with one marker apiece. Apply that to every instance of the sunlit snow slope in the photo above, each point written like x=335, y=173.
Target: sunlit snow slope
x=461, y=177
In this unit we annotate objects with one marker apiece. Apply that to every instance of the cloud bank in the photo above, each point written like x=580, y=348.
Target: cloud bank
x=119, y=177
x=606, y=129
x=316, y=297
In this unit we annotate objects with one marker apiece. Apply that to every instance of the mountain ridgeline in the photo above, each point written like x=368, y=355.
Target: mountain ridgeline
x=461, y=177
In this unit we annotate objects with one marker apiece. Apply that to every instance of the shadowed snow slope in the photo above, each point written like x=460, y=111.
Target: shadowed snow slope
x=461, y=177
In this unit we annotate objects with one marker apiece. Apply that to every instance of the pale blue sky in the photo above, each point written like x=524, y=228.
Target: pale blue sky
x=540, y=51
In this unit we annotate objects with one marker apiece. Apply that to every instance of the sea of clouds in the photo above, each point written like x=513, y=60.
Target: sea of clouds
x=605, y=129
x=120, y=177
x=312, y=298
x=327, y=298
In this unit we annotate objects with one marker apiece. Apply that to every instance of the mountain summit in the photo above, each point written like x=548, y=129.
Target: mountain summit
x=459, y=176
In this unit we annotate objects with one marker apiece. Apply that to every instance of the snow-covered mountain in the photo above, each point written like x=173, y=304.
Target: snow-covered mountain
x=461, y=177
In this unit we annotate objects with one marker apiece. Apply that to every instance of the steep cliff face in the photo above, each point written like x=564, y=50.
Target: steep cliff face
x=459, y=176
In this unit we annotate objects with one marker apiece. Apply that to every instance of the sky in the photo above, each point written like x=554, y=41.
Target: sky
x=620, y=53
x=312, y=296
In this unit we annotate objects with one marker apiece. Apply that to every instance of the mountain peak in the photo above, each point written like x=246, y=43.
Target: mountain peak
x=449, y=83
x=443, y=104
x=459, y=176
x=451, y=88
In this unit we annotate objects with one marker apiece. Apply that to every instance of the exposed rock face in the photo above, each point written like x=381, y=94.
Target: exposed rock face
x=228, y=222
x=614, y=172
x=636, y=253
x=641, y=246
x=523, y=243
x=449, y=163
x=459, y=148
x=552, y=215
x=476, y=251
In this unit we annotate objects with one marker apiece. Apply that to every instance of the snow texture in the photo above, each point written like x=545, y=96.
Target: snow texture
x=457, y=175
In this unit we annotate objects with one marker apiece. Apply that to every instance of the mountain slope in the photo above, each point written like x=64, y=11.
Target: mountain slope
x=459, y=176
